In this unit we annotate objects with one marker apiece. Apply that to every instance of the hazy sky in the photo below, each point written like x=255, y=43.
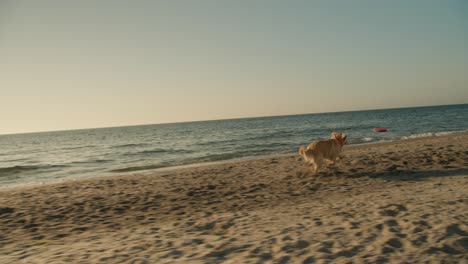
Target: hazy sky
x=80, y=64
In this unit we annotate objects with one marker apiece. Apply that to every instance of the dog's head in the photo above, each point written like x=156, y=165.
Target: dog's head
x=340, y=137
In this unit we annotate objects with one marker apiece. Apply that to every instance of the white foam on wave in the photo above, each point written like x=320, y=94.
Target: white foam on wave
x=449, y=133
x=427, y=134
x=433, y=134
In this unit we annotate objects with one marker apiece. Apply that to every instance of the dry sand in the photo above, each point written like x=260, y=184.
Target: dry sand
x=403, y=202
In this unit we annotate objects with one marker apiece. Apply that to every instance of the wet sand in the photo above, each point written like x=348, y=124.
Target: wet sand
x=392, y=202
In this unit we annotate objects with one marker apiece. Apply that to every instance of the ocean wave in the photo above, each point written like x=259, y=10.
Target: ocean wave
x=20, y=169
x=206, y=158
x=14, y=160
x=78, y=147
x=153, y=151
x=235, y=141
x=438, y=134
x=92, y=161
x=266, y=146
x=433, y=134
x=230, y=155
x=216, y=157
x=140, y=168
x=130, y=145
x=202, y=159
x=158, y=151
x=211, y=143
x=421, y=135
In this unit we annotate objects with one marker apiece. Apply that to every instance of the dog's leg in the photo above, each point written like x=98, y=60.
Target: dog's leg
x=317, y=165
x=333, y=166
x=314, y=169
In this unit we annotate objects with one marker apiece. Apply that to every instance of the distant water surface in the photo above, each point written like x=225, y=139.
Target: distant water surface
x=37, y=157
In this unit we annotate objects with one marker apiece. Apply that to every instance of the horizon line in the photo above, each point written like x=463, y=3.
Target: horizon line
x=231, y=118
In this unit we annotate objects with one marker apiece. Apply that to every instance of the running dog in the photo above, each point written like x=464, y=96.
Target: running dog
x=319, y=151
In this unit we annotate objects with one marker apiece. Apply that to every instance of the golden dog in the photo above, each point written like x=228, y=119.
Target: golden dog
x=319, y=151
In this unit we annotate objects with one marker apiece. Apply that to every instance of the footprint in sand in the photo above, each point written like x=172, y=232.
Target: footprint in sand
x=6, y=210
x=291, y=247
x=221, y=252
x=392, y=209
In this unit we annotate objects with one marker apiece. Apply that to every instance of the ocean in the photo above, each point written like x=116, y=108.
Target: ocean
x=64, y=155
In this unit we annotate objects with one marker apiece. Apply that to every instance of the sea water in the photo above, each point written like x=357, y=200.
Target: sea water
x=46, y=156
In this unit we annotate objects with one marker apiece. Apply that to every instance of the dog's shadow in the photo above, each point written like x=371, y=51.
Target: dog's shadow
x=395, y=175
x=306, y=171
x=409, y=175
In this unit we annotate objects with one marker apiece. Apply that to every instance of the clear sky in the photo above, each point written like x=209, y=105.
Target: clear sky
x=83, y=64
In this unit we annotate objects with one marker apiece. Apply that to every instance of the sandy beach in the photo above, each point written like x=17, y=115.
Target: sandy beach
x=401, y=202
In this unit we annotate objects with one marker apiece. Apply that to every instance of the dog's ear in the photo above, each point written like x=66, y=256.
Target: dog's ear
x=335, y=135
x=343, y=136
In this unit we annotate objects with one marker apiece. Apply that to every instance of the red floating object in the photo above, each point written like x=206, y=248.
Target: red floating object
x=380, y=129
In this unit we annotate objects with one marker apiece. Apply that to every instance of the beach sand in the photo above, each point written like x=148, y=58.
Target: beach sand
x=402, y=202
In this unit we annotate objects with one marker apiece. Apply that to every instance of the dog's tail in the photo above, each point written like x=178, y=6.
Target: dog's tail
x=302, y=151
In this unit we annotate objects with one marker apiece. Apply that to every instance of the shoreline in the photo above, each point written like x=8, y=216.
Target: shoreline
x=399, y=202
x=77, y=178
